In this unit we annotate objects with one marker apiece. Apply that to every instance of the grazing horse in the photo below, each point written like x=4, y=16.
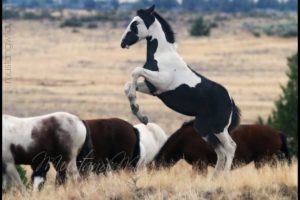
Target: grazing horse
x=56, y=137
x=179, y=87
x=152, y=138
x=256, y=143
x=113, y=144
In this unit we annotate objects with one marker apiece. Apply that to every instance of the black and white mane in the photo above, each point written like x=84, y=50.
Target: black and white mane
x=170, y=35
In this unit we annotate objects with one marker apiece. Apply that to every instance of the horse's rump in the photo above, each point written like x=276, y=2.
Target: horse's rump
x=114, y=142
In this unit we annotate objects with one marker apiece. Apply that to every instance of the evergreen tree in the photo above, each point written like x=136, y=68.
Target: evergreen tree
x=285, y=115
x=200, y=27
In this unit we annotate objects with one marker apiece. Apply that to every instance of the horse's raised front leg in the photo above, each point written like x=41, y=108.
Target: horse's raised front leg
x=141, y=87
x=161, y=80
x=158, y=79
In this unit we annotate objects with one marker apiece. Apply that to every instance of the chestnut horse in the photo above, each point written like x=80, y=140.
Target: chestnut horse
x=256, y=143
x=113, y=144
x=56, y=137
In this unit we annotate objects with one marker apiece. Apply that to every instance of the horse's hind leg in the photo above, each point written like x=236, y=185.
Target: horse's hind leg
x=72, y=170
x=229, y=146
x=66, y=169
x=221, y=160
x=60, y=168
x=203, y=129
x=13, y=178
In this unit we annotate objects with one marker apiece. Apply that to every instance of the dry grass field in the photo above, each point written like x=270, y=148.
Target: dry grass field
x=179, y=182
x=83, y=72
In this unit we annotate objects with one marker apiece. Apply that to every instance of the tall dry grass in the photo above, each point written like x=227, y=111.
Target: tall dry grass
x=178, y=182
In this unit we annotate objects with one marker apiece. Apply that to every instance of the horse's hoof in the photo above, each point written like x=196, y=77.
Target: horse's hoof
x=134, y=108
x=145, y=120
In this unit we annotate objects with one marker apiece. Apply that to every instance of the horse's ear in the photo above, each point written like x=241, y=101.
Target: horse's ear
x=151, y=9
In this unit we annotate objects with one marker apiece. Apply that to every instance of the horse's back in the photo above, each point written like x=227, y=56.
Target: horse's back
x=110, y=128
x=112, y=136
x=256, y=140
x=147, y=141
x=158, y=133
x=53, y=134
x=195, y=149
x=152, y=138
x=64, y=125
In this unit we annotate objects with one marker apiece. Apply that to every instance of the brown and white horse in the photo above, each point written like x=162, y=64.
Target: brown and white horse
x=56, y=137
x=152, y=138
x=256, y=143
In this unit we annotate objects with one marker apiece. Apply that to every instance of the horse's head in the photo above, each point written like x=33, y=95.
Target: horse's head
x=138, y=28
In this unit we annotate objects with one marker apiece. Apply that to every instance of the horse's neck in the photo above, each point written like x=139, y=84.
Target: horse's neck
x=163, y=46
x=157, y=44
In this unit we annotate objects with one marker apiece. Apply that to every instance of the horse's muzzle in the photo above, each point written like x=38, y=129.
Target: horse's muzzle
x=124, y=45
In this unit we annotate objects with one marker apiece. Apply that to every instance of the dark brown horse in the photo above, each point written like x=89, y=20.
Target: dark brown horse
x=256, y=143
x=110, y=144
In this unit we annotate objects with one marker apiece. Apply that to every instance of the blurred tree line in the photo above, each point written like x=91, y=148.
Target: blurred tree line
x=189, y=5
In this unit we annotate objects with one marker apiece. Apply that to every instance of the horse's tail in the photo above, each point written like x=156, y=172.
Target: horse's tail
x=284, y=148
x=235, y=117
x=188, y=123
x=136, y=152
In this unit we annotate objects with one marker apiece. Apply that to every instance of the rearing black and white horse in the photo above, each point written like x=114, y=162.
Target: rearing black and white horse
x=169, y=78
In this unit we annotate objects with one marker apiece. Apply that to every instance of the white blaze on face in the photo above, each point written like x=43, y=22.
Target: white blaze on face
x=36, y=183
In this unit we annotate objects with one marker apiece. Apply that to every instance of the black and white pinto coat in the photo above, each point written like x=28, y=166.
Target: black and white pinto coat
x=167, y=76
